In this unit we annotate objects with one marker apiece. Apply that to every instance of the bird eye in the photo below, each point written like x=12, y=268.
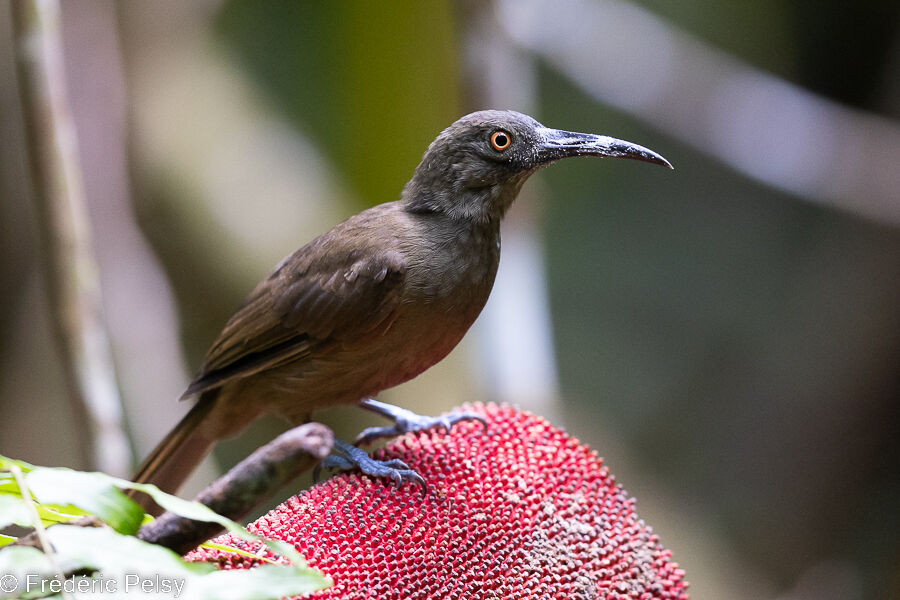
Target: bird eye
x=500, y=140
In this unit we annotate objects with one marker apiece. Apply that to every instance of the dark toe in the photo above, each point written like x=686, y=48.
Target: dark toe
x=346, y=457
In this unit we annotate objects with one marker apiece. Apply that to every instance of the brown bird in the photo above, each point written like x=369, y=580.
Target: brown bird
x=375, y=301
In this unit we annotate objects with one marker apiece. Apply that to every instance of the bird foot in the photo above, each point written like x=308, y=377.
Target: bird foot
x=406, y=421
x=345, y=457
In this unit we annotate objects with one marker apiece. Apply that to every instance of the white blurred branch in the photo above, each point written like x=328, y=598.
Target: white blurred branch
x=519, y=362
x=760, y=125
x=69, y=266
x=139, y=304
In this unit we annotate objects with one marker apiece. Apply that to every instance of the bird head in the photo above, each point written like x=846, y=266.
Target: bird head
x=475, y=168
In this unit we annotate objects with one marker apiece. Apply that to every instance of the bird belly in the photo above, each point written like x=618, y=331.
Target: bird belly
x=346, y=373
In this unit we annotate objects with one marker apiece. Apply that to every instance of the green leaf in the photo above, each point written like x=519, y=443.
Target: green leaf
x=112, y=553
x=126, y=558
x=236, y=550
x=17, y=563
x=11, y=504
x=200, y=512
x=8, y=483
x=260, y=583
x=185, y=508
x=51, y=513
x=14, y=511
x=64, y=494
x=96, y=493
x=5, y=540
x=6, y=463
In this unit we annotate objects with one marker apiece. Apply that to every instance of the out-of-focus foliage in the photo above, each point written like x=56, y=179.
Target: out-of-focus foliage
x=355, y=76
x=57, y=495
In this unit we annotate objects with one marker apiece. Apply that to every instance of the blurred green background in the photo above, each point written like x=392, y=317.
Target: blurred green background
x=727, y=335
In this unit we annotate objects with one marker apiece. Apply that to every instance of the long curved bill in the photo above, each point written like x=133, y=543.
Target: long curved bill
x=557, y=144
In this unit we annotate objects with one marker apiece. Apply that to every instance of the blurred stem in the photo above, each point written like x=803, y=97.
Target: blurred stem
x=39, y=530
x=519, y=362
x=70, y=271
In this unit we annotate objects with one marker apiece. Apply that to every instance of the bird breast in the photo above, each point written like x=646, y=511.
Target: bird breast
x=448, y=284
x=455, y=267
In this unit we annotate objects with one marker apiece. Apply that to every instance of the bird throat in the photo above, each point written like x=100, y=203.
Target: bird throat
x=475, y=204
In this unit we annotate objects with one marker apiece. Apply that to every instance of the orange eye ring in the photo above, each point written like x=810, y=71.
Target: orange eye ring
x=500, y=140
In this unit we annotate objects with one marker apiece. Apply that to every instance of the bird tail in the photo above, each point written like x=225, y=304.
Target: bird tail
x=175, y=458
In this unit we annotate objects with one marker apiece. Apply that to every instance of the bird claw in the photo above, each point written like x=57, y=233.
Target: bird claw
x=406, y=421
x=346, y=457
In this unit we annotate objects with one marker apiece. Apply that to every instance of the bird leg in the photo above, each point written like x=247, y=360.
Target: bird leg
x=406, y=421
x=345, y=457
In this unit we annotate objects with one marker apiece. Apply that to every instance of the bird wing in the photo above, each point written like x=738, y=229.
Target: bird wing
x=325, y=293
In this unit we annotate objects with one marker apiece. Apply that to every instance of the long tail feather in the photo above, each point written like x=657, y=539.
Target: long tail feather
x=176, y=457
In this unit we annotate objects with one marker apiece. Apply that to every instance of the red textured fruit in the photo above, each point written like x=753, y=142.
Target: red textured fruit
x=521, y=512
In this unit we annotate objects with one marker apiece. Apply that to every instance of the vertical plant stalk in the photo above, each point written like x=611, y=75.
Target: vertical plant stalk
x=69, y=268
x=520, y=363
x=46, y=546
